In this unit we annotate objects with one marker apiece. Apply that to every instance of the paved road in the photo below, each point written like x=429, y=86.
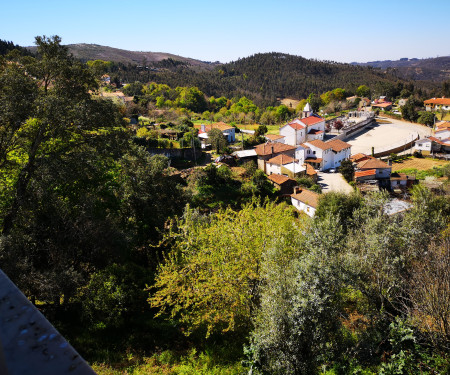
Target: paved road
x=333, y=182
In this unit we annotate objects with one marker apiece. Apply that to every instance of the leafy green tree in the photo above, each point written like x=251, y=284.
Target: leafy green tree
x=262, y=129
x=298, y=326
x=217, y=140
x=211, y=279
x=347, y=170
x=426, y=118
x=409, y=110
x=133, y=89
x=315, y=102
x=363, y=91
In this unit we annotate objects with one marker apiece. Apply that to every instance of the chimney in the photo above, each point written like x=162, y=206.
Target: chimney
x=271, y=149
x=297, y=189
x=203, y=128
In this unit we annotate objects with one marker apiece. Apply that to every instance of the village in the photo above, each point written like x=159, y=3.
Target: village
x=309, y=146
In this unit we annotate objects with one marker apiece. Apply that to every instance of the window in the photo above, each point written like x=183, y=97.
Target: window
x=314, y=152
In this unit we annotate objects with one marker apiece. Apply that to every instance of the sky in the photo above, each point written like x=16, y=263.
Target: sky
x=336, y=30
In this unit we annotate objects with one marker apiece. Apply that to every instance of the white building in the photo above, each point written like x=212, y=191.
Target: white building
x=305, y=200
x=305, y=129
x=326, y=155
x=284, y=165
x=227, y=131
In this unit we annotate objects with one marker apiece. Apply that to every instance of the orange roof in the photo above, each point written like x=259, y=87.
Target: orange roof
x=312, y=160
x=308, y=197
x=274, y=137
x=440, y=101
x=311, y=120
x=338, y=145
x=382, y=105
x=272, y=148
x=442, y=125
x=279, y=179
x=439, y=141
x=310, y=171
x=320, y=144
x=281, y=159
x=295, y=124
x=373, y=164
x=369, y=172
x=360, y=157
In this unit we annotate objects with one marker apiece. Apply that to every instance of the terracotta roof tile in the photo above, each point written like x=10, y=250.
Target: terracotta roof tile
x=274, y=137
x=311, y=120
x=356, y=158
x=281, y=159
x=280, y=179
x=310, y=171
x=308, y=197
x=372, y=164
x=440, y=101
x=320, y=144
x=338, y=145
x=217, y=125
x=272, y=148
x=369, y=172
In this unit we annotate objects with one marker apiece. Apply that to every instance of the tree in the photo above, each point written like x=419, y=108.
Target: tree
x=211, y=279
x=347, y=170
x=262, y=129
x=315, y=102
x=217, y=140
x=363, y=91
x=338, y=125
x=409, y=110
x=426, y=118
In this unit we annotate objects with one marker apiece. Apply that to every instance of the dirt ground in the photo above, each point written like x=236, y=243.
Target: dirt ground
x=419, y=164
x=288, y=101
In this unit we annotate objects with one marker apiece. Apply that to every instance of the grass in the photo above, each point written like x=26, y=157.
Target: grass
x=419, y=164
x=169, y=362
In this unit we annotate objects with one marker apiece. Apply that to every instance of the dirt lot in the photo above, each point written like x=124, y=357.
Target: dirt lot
x=419, y=164
x=287, y=102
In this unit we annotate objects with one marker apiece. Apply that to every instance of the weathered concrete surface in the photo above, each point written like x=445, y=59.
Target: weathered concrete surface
x=29, y=344
x=333, y=182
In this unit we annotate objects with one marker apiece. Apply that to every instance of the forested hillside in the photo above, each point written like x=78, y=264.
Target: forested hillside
x=432, y=69
x=262, y=77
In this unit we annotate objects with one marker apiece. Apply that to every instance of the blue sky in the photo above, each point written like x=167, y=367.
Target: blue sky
x=338, y=30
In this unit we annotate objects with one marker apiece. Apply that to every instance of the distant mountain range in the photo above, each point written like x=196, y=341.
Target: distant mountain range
x=431, y=69
x=87, y=52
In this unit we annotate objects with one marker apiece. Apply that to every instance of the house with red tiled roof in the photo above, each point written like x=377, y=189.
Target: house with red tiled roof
x=442, y=130
x=284, y=165
x=282, y=183
x=382, y=169
x=269, y=150
x=275, y=138
x=431, y=145
x=356, y=158
x=305, y=200
x=305, y=129
x=435, y=104
x=384, y=106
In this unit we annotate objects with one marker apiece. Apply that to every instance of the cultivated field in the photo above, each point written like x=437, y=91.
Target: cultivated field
x=288, y=101
x=421, y=164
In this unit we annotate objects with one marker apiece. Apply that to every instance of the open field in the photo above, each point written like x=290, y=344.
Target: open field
x=288, y=101
x=421, y=164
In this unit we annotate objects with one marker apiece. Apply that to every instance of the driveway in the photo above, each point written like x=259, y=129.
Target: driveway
x=333, y=182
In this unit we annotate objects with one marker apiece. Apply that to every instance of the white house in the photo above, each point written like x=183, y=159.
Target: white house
x=326, y=155
x=305, y=129
x=382, y=169
x=424, y=145
x=227, y=131
x=442, y=130
x=284, y=165
x=305, y=200
x=435, y=104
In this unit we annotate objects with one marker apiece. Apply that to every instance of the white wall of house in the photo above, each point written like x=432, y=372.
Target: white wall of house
x=318, y=126
x=423, y=145
x=291, y=135
x=309, y=210
x=383, y=172
x=341, y=155
x=273, y=168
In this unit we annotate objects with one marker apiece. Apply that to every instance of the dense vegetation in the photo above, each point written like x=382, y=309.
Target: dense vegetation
x=145, y=270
